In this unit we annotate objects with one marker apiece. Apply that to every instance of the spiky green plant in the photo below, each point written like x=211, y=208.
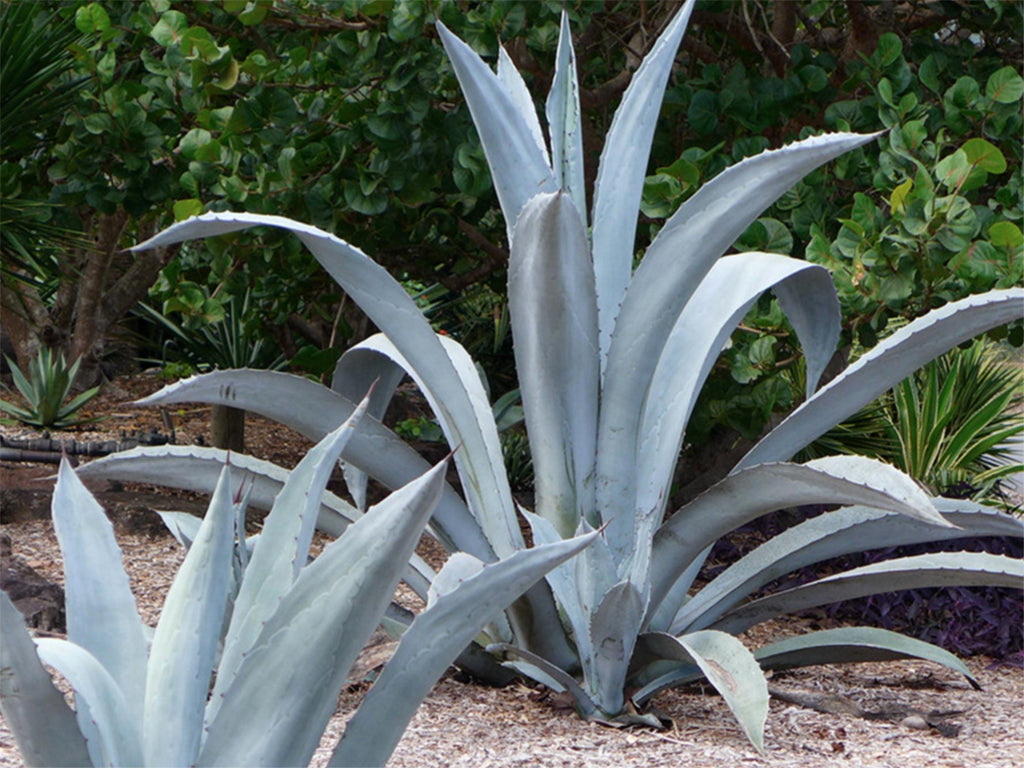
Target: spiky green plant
x=273, y=636
x=951, y=425
x=610, y=363
x=45, y=390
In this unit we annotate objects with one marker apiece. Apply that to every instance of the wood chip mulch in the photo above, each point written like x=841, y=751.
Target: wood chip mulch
x=924, y=715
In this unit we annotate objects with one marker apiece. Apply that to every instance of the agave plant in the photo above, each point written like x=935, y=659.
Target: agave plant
x=45, y=390
x=277, y=635
x=610, y=363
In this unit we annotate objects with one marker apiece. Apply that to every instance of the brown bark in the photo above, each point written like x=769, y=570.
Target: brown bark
x=91, y=295
x=227, y=428
x=784, y=22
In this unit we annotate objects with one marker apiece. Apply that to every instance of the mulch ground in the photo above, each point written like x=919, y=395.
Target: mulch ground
x=924, y=715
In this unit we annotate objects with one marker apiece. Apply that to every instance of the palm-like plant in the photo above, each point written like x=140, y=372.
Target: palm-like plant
x=950, y=425
x=610, y=363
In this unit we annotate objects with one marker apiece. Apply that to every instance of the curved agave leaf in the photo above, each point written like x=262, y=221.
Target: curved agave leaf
x=565, y=123
x=280, y=552
x=432, y=642
x=677, y=261
x=565, y=585
x=841, y=532
x=854, y=644
x=100, y=699
x=313, y=410
x=519, y=168
x=43, y=724
x=544, y=672
x=326, y=617
x=888, y=363
x=620, y=175
x=101, y=612
x=947, y=569
x=354, y=375
x=554, y=321
x=479, y=460
x=197, y=469
x=721, y=301
x=386, y=302
x=185, y=645
x=746, y=495
x=727, y=665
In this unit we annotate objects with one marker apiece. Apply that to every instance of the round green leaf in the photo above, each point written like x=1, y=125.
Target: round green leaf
x=890, y=48
x=193, y=141
x=92, y=18
x=1005, y=234
x=170, y=28
x=984, y=155
x=953, y=169
x=184, y=209
x=703, y=112
x=929, y=74
x=1005, y=86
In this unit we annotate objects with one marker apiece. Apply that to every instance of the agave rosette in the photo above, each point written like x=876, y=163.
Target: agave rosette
x=610, y=363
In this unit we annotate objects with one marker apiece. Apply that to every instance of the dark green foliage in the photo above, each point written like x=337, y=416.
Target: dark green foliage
x=936, y=202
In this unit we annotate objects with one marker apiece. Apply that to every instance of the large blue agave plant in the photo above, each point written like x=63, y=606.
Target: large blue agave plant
x=610, y=363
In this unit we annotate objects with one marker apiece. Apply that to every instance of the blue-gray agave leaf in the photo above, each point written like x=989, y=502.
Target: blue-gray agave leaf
x=853, y=644
x=519, y=168
x=554, y=322
x=840, y=532
x=43, y=724
x=620, y=174
x=386, y=302
x=324, y=619
x=185, y=645
x=964, y=569
x=431, y=643
x=101, y=612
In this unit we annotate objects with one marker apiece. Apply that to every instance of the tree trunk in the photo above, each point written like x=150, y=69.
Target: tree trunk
x=227, y=428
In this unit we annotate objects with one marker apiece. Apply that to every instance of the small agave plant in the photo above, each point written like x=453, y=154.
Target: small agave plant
x=610, y=363
x=276, y=634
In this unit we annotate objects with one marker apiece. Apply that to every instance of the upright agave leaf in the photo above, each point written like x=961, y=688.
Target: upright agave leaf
x=519, y=168
x=101, y=613
x=554, y=321
x=675, y=264
x=565, y=122
x=184, y=649
x=324, y=619
x=620, y=175
x=281, y=551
